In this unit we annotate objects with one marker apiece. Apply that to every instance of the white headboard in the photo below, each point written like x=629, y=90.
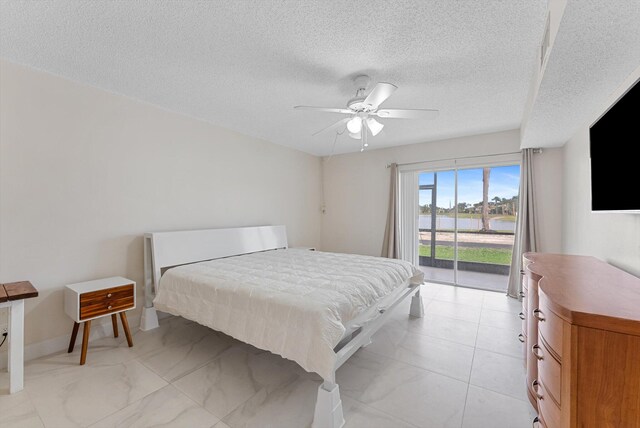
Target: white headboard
x=166, y=249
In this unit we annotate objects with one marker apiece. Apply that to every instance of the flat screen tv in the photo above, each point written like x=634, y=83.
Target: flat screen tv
x=615, y=168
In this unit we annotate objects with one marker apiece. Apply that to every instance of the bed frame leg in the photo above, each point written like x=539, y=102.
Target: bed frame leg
x=417, y=308
x=328, y=413
x=149, y=319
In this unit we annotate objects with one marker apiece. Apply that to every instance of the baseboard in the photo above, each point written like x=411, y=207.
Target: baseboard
x=61, y=343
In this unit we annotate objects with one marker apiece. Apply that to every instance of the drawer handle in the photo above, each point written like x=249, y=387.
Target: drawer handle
x=521, y=316
x=534, y=386
x=109, y=295
x=109, y=307
x=521, y=337
x=537, y=352
x=538, y=314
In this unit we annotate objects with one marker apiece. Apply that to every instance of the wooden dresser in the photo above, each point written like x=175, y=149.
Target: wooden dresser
x=581, y=330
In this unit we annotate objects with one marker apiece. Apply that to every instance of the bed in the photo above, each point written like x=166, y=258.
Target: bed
x=314, y=308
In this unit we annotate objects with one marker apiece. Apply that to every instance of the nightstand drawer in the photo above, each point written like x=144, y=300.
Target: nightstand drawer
x=103, y=302
x=114, y=293
x=105, y=308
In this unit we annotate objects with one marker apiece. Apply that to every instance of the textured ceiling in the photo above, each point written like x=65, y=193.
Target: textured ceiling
x=245, y=64
x=596, y=49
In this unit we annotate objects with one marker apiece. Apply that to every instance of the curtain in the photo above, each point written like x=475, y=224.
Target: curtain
x=526, y=238
x=391, y=243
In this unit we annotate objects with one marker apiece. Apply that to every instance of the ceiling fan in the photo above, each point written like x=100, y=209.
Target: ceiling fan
x=363, y=110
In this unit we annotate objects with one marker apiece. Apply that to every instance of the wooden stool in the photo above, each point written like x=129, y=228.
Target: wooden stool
x=87, y=301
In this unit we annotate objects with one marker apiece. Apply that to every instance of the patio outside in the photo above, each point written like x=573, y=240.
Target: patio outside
x=483, y=259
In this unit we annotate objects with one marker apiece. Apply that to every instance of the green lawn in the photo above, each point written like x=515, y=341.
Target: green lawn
x=498, y=256
x=467, y=215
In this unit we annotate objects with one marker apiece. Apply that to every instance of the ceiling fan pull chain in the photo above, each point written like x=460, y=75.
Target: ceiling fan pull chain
x=365, y=135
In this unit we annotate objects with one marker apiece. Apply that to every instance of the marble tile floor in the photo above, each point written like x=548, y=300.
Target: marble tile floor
x=481, y=280
x=459, y=366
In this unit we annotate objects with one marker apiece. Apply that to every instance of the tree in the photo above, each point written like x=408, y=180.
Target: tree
x=425, y=209
x=486, y=172
x=497, y=199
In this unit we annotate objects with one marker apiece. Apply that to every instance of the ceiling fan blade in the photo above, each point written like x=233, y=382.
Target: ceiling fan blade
x=336, y=125
x=380, y=93
x=325, y=109
x=407, y=113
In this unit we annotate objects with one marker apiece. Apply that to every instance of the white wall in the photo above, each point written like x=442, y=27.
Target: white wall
x=614, y=238
x=83, y=173
x=356, y=189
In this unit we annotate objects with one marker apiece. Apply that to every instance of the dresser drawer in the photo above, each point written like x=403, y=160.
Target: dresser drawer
x=548, y=410
x=550, y=327
x=103, y=302
x=522, y=337
x=524, y=315
x=549, y=372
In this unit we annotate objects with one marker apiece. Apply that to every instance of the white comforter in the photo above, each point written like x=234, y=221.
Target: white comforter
x=291, y=302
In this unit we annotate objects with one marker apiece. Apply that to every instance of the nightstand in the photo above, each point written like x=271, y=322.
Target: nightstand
x=86, y=301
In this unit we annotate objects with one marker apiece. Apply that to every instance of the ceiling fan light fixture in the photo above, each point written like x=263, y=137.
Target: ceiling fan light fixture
x=374, y=126
x=356, y=135
x=360, y=111
x=355, y=125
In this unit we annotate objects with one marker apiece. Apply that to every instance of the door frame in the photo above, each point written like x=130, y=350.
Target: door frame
x=454, y=164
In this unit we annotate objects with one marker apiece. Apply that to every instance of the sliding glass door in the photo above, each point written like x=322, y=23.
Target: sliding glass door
x=466, y=224
x=436, y=227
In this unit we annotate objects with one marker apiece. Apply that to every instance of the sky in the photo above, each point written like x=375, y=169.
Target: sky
x=503, y=182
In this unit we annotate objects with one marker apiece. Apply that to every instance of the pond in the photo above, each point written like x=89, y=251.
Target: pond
x=444, y=222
